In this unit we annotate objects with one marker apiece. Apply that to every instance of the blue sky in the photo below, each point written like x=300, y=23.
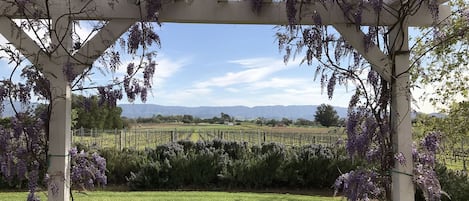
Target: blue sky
x=215, y=65
x=230, y=65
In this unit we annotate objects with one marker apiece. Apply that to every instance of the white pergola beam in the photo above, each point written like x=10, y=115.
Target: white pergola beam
x=22, y=42
x=275, y=13
x=393, y=3
x=106, y=37
x=379, y=61
x=231, y=12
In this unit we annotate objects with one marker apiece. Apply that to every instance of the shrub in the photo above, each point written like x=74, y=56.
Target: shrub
x=121, y=163
x=231, y=164
x=148, y=176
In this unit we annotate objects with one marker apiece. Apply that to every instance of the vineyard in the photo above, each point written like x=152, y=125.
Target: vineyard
x=455, y=156
x=150, y=137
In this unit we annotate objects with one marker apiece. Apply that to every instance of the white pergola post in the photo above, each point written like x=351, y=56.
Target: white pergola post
x=401, y=128
x=60, y=118
x=59, y=140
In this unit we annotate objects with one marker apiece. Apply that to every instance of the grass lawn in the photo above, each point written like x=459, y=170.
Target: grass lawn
x=173, y=196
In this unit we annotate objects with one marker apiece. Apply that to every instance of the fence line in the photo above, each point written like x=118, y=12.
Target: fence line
x=455, y=153
x=150, y=138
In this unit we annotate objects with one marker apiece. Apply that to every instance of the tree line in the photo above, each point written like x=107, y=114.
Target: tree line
x=325, y=115
x=89, y=112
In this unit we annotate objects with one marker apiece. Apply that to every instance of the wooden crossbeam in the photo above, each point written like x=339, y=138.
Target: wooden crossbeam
x=379, y=61
x=106, y=37
x=393, y=3
x=228, y=12
x=22, y=42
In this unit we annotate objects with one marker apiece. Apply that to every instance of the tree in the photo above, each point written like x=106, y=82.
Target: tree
x=272, y=122
x=453, y=124
x=260, y=121
x=326, y=115
x=444, y=69
x=286, y=121
x=304, y=122
x=225, y=118
x=187, y=119
x=90, y=114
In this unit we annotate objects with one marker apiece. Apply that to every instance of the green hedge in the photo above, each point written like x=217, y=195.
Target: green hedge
x=226, y=164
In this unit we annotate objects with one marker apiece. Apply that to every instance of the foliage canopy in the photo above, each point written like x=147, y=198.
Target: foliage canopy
x=326, y=115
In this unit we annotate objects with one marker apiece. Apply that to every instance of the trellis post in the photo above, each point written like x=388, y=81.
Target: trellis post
x=401, y=127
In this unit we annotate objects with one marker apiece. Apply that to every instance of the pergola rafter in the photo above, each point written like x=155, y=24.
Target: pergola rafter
x=379, y=61
x=120, y=15
x=106, y=37
x=22, y=42
x=227, y=12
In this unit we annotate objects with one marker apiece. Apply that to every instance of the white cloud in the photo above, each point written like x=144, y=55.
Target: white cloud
x=308, y=95
x=278, y=82
x=253, y=86
x=256, y=70
x=187, y=97
x=232, y=90
x=254, y=62
x=166, y=67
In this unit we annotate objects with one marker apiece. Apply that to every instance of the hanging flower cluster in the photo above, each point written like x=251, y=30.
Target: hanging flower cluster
x=424, y=156
x=87, y=170
x=23, y=156
x=338, y=63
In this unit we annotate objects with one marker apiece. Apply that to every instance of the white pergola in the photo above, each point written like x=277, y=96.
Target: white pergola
x=125, y=13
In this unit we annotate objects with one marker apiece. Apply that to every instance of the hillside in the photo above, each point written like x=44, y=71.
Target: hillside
x=239, y=112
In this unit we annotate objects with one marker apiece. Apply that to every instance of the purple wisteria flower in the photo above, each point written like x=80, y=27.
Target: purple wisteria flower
x=431, y=142
x=399, y=157
x=86, y=170
x=359, y=185
x=291, y=12
x=153, y=8
x=256, y=5
x=466, y=14
x=424, y=166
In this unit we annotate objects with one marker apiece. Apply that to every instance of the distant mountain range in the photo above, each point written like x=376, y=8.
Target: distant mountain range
x=8, y=109
x=239, y=112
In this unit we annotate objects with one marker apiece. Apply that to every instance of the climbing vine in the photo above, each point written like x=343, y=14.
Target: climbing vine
x=24, y=158
x=336, y=62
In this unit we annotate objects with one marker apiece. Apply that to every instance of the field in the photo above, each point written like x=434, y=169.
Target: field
x=150, y=135
x=175, y=196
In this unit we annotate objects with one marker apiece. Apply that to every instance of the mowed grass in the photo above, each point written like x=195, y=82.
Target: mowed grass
x=174, y=196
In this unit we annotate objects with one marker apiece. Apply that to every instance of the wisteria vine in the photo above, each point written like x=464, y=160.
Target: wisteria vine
x=338, y=63
x=24, y=154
